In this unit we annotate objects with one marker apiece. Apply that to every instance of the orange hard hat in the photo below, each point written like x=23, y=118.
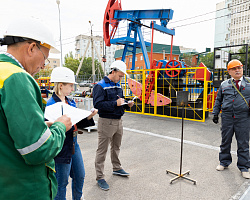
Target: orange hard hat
x=234, y=63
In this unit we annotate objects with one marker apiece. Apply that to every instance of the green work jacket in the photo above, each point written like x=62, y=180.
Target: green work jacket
x=27, y=145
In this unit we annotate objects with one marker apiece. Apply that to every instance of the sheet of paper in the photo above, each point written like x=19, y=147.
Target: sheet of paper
x=56, y=110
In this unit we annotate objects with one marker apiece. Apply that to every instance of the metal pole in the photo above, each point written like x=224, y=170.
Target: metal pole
x=152, y=46
x=171, y=50
x=182, y=125
x=103, y=54
x=246, y=71
x=93, y=58
x=58, y=2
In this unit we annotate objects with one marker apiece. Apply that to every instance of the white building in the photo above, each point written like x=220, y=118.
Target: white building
x=222, y=24
x=232, y=23
x=100, y=50
x=82, y=41
x=240, y=16
x=54, y=62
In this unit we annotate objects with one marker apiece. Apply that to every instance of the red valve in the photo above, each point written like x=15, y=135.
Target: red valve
x=173, y=64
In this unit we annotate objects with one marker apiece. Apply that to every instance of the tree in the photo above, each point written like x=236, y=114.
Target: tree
x=86, y=68
x=187, y=59
x=70, y=62
x=242, y=56
x=208, y=59
x=44, y=72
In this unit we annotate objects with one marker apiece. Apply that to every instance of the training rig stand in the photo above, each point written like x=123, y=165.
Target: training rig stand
x=182, y=100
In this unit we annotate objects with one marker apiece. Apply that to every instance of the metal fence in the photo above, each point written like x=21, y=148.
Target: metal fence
x=151, y=94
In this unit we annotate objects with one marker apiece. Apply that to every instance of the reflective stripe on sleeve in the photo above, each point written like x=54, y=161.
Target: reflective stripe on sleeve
x=36, y=145
x=110, y=87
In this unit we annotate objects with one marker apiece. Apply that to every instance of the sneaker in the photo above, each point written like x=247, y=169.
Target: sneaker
x=120, y=172
x=103, y=184
x=220, y=168
x=245, y=175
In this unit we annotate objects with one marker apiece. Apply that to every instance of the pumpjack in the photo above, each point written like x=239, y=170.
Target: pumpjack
x=134, y=39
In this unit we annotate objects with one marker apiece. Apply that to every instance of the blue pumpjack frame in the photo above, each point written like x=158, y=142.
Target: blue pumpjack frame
x=135, y=17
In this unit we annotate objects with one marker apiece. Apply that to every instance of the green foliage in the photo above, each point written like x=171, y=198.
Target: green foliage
x=187, y=59
x=242, y=56
x=71, y=63
x=207, y=59
x=86, y=68
x=44, y=72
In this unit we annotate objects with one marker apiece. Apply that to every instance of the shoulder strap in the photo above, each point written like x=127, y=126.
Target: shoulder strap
x=240, y=93
x=247, y=79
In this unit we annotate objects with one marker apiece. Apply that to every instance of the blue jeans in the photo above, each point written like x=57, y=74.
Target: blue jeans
x=76, y=171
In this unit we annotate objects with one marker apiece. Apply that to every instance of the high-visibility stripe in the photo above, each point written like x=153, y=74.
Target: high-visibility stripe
x=36, y=145
x=11, y=56
x=110, y=87
x=44, y=101
x=6, y=70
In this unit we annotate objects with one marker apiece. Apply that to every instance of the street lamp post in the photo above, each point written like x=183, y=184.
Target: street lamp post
x=93, y=57
x=58, y=3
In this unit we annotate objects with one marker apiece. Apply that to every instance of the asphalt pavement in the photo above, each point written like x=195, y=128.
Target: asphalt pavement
x=151, y=145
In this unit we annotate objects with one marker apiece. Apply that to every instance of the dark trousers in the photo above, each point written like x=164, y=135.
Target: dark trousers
x=239, y=127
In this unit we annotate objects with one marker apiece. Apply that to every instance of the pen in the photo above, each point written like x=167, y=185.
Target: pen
x=134, y=98
x=118, y=96
x=62, y=109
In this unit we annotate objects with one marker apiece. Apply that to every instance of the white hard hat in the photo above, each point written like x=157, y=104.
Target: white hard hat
x=33, y=29
x=62, y=75
x=119, y=65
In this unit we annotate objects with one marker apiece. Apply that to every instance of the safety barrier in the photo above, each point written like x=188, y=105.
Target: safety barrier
x=83, y=103
x=154, y=89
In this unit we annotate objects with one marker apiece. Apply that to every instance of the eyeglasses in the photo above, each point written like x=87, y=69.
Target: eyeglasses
x=46, y=59
x=235, y=68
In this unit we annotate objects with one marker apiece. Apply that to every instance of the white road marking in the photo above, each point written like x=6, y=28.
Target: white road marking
x=177, y=140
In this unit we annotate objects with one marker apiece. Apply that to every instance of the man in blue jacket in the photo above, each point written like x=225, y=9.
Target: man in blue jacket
x=233, y=99
x=109, y=100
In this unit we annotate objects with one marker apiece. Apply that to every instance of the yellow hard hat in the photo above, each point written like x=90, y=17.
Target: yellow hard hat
x=234, y=63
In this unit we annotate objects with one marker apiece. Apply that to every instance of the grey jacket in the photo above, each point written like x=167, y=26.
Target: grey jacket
x=230, y=101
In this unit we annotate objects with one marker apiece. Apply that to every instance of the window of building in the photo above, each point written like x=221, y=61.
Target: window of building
x=141, y=57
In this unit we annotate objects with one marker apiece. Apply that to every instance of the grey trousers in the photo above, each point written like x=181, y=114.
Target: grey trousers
x=110, y=131
x=239, y=127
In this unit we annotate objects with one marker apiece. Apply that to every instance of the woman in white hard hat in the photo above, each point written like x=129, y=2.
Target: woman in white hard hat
x=69, y=161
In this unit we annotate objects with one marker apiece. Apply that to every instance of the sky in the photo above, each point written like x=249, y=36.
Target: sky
x=75, y=15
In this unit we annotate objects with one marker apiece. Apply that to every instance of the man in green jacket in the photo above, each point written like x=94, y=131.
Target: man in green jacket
x=27, y=144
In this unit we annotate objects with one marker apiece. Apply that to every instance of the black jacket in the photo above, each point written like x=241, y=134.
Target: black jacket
x=105, y=95
x=65, y=154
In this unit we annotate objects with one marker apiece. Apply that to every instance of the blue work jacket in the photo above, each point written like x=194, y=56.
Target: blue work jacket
x=66, y=153
x=105, y=95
